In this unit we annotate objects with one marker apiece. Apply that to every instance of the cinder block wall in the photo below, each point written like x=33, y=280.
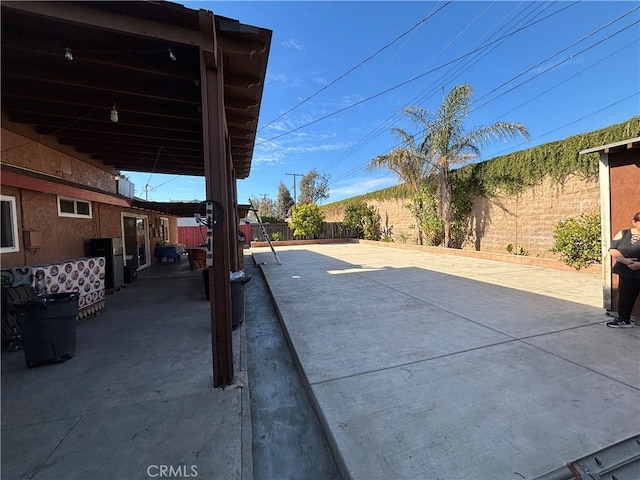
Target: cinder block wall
x=525, y=220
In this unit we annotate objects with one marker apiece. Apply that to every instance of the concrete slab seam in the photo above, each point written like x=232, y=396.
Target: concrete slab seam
x=53, y=420
x=415, y=362
x=581, y=366
x=57, y=446
x=487, y=326
x=452, y=313
x=331, y=440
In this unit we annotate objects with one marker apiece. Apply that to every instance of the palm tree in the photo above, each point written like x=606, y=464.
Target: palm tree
x=446, y=137
x=411, y=165
x=444, y=144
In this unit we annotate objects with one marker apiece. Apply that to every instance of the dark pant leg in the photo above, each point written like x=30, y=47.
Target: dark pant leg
x=628, y=291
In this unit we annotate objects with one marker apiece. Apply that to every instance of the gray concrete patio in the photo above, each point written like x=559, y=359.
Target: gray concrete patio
x=425, y=366
x=137, y=396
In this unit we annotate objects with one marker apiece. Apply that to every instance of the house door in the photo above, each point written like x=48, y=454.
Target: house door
x=135, y=233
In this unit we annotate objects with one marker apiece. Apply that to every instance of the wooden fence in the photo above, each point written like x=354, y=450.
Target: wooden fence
x=332, y=230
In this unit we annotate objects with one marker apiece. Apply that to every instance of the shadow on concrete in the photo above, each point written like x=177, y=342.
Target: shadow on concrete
x=288, y=441
x=136, y=396
x=431, y=366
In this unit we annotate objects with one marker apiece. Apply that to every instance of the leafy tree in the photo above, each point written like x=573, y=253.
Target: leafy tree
x=266, y=207
x=307, y=219
x=362, y=218
x=285, y=200
x=314, y=187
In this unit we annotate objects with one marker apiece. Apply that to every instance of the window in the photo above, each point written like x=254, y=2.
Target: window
x=70, y=207
x=9, y=230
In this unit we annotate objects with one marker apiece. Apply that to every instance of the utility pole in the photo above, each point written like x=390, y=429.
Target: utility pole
x=295, y=196
x=146, y=189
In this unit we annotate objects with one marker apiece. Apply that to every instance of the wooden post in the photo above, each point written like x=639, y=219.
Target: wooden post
x=216, y=160
x=233, y=217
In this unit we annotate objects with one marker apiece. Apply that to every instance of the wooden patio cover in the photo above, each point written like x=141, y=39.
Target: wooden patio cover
x=187, y=87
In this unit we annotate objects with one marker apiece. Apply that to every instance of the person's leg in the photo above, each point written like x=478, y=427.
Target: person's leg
x=628, y=291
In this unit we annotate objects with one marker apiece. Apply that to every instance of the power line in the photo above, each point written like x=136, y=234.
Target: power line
x=357, y=66
x=354, y=170
x=635, y=94
x=559, y=63
x=422, y=96
x=552, y=67
x=413, y=79
x=608, y=57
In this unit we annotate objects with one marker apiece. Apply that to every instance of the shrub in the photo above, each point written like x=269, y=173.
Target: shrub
x=365, y=220
x=307, y=219
x=403, y=237
x=517, y=251
x=578, y=240
x=276, y=236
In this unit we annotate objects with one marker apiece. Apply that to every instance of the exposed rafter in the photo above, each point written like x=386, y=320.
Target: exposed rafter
x=144, y=59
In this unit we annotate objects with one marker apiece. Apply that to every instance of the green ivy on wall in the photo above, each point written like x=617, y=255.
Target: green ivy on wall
x=517, y=171
x=397, y=192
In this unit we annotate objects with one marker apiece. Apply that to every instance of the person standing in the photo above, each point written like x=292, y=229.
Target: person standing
x=625, y=250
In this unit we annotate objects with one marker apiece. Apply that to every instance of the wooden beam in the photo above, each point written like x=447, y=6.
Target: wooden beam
x=217, y=174
x=238, y=103
x=111, y=21
x=242, y=81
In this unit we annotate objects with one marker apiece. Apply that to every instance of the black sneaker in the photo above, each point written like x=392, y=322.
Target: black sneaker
x=620, y=324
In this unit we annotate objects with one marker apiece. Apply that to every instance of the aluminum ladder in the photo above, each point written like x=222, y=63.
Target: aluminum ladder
x=264, y=232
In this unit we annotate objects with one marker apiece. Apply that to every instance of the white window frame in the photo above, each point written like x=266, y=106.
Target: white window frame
x=164, y=225
x=14, y=225
x=75, y=207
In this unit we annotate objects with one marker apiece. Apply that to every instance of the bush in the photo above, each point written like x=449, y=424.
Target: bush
x=365, y=220
x=578, y=240
x=517, y=251
x=306, y=220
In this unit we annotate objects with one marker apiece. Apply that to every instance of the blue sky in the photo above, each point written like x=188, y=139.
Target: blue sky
x=558, y=67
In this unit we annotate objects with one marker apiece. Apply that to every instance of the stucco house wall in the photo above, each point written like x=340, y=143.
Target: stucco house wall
x=65, y=238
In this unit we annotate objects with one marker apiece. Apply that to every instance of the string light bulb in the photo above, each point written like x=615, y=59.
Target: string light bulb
x=172, y=55
x=114, y=114
x=68, y=54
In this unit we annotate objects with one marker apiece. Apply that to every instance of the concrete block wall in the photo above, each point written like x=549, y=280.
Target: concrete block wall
x=525, y=220
x=528, y=219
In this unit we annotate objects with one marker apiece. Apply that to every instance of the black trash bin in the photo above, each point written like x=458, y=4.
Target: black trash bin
x=238, y=282
x=130, y=274
x=48, y=326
